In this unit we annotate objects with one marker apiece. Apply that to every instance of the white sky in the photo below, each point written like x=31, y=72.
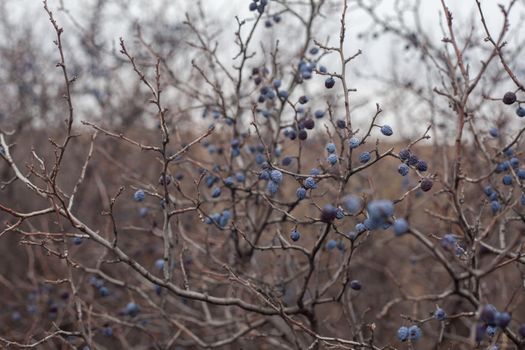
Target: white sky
x=375, y=53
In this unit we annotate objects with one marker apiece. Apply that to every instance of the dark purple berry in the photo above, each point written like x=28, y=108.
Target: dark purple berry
x=309, y=124
x=404, y=154
x=303, y=135
x=355, y=285
x=329, y=213
x=488, y=315
x=329, y=83
x=509, y=98
x=426, y=184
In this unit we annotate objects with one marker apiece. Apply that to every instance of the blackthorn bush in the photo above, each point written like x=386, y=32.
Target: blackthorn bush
x=195, y=185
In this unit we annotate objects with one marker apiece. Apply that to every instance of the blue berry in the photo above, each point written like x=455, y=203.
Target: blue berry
x=488, y=315
x=283, y=94
x=253, y=6
x=502, y=319
x=315, y=172
x=159, y=264
x=236, y=152
x=414, y=332
x=494, y=132
x=330, y=148
x=223, y=218
x=380, y=210
x=339, y=213
x=228, y=181
x=295, y=235
x=422, y=165
x=448, y=241
x=272, y=187
x=319, y=114
x=235, y=143
x=404, y=154
x=402, y=333
x=387, y=130
x=332, y=159
x=520, y=112
x=365, y=157
x=353, y=204
x=16, y=316
x=491, y=331
x=371, y=224
x=132, y=309
x=329, y=83
x=403, y=169
x=143, y=211
x=514, y=162
x=306, y=74
x=287, y=161
x=331, y=244
x=479, y=332
x=507, y=180
x=413, y=160
x=355, y=285
x=107, y=331
x=77, y=240
x=440, y=314
x=103, y=291
x=139, y=195
x=521, y=174
x=354, y=142
x=264, y=175
x=260, y=8
x=276, y=176
x=322, y=69
x=352, y=235
x=301, y=193
x=400, y=226
x=240, y=177
x=495, y=206
x=314, y=51
x=310, y=183
x=276, y=83
x=360, y=228
x=340, y=123
x=259, y=158
x=216, y=192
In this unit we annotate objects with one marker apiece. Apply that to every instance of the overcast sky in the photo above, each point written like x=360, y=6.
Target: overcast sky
x=30, y=11
x=375, y=53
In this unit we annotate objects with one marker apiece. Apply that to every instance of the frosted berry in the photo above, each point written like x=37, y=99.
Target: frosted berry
x=365, y=157
x=387, y=130
x=139, y=195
